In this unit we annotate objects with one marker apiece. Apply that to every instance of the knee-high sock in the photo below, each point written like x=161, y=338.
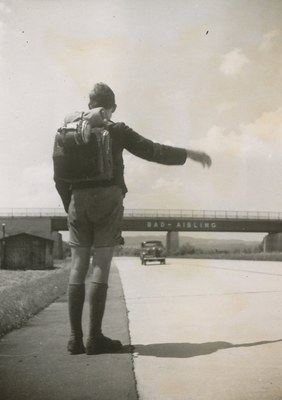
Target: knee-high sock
x=76, y=296
x=97, y=302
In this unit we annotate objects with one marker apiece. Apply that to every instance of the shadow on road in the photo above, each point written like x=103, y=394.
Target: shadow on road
x=187, y=350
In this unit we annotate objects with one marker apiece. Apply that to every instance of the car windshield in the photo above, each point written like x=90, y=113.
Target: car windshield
x=152, y=244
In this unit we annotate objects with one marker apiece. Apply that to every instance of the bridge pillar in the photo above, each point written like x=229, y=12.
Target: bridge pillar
x=272, y=242
x=172, y=242
x=58, y=245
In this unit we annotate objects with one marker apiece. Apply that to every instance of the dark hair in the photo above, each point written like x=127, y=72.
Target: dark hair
x=102, y=96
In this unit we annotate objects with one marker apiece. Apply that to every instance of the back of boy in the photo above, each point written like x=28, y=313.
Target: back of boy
x=83, y=149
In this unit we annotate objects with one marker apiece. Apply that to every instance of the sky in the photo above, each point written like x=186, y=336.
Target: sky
x=203, y=74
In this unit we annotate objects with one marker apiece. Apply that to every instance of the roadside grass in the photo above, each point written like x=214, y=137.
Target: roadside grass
x=273, y=256
x=25, y=293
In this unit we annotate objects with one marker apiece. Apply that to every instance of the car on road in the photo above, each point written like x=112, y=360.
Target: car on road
x=152, y=250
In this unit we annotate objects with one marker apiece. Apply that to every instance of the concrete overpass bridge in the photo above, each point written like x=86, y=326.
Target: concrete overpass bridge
x=48, y=222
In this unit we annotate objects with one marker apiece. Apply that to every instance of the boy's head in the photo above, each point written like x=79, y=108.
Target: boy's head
x=102, y=96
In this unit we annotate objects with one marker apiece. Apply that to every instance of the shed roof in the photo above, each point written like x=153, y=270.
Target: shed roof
x=27, y=234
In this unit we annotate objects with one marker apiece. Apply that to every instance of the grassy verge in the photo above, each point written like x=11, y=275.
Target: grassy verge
x=275, y=256
x=25, y=293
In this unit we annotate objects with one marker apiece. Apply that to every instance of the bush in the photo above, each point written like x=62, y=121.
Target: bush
x=186, y=249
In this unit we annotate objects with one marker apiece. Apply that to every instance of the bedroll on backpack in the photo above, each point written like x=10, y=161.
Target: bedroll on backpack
x=83, y=148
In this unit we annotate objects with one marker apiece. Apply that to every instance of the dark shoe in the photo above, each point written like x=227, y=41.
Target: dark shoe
x=76, y=346
x=102, y=344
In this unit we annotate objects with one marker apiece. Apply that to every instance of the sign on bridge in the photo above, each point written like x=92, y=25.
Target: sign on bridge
x=180, y=225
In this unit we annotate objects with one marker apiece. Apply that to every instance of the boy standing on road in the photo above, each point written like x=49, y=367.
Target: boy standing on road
x=95, y=213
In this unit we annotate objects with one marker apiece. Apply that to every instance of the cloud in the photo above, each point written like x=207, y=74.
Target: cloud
x=34, y=189
x=245, y=171
x=268, y=39
x=226, y=106
x=38, y=189
x=3, y=29
x=246, y=164
x=178, y=96
x=257, y=138
x=233, y=62
x=4, y=8
x=2, y=32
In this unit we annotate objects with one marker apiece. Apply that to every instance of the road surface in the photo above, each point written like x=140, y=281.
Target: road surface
x=205, y=329
x=201, y=330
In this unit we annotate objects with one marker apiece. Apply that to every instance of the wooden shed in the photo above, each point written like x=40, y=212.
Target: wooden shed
x=26, y=251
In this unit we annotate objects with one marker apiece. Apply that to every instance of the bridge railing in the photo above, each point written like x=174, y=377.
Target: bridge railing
x=153, y=213
x=204, y=214
x=32, y=212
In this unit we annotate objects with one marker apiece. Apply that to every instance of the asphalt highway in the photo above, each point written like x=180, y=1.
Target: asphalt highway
x=205, y=329
x=199, y=330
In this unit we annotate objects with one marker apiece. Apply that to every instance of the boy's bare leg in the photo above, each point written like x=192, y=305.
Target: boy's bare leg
x=101, y=262
x=79, y=264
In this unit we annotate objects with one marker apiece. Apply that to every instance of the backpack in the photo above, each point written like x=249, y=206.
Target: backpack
x=83, y=148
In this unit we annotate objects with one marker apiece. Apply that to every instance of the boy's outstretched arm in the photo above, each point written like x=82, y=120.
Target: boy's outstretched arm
x=199, y=156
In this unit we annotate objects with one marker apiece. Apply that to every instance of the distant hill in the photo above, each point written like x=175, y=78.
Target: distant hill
x=198, y=243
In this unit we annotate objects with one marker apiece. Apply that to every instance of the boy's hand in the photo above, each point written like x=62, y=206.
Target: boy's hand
x=200, y=156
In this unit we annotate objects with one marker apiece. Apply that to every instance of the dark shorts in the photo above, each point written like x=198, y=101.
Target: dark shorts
x=95, y=217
